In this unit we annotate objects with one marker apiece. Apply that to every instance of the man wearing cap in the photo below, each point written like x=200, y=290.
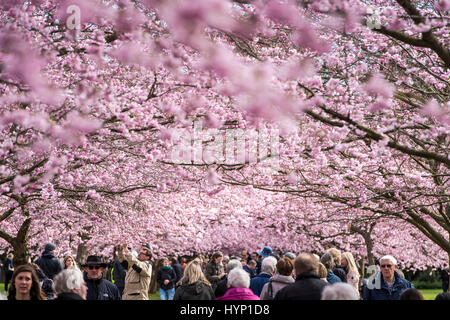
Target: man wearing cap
x=139, y=272
x=387, y=283
x=48, y=263
x=99, y=288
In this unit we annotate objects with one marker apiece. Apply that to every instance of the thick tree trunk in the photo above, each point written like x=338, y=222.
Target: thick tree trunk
x=82, y=253
x=153, y=284
x=20, y=253
x=19, y=244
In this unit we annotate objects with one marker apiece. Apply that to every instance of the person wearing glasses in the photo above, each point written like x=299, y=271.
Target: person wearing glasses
x=139, y=272
x=99, y=288
x=387, y=283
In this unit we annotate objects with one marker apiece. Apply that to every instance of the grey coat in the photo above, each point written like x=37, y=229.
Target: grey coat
x=278, y=282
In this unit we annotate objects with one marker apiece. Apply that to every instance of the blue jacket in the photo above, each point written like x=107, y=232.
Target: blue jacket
x=252, y=273
x=258, y=282
x=371, y=292
x=332, y=278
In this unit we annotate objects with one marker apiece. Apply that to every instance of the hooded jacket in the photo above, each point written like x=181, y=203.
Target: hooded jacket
x=239, y=293
x=49, y=264
x=194, y=291
x=278, y=282
x=101, y=289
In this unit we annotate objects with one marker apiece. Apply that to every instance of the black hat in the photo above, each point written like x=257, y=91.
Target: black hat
x=94, y=260
x=49, y=247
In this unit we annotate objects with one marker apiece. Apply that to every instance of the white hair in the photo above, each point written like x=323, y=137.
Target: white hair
x=339, y=291
x=238, y=278
x=390, y=258
x=68, y=280
x=234, y=263
x=268, y=265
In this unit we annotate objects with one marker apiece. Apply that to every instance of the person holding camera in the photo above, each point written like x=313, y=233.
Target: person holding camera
x=139, y=272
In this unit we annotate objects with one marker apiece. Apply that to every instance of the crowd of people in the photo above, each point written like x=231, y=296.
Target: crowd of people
x=262, y=275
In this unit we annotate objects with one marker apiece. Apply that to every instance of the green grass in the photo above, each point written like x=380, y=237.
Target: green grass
x=428, y=294
x=154, y=296
x=2, y=288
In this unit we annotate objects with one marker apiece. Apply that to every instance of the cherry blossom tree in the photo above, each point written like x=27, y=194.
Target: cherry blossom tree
x=94, y=95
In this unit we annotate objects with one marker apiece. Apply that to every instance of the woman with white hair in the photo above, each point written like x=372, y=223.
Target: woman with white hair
x=69, y=285
x=238, y=286
x=340, y=291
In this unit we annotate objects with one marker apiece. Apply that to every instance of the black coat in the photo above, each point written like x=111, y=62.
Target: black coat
x=307, y=286
x=101, y=289
x=166, y=274
x=46, y=285
x=8, y=263
x=194, y=291
x=340, y=272
x=222, y=287
x=49, y=264
x=178, y=271
x=68, y=296
x=119, y=274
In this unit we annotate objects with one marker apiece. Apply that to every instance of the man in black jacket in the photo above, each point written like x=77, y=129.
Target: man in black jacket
x=307, y=285
x=119, y=272
x=48, y=263
x=222, y=286
x=177, y=268
x=99, y=288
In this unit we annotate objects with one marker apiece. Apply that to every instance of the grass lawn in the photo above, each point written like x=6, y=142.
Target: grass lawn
x=428, y=294
x=154, y=296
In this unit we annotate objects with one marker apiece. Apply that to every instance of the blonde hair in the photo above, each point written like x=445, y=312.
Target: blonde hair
x=322, y=271
x=67, y=257
x=336, y=255
x=193, y=273
x=351, y=261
